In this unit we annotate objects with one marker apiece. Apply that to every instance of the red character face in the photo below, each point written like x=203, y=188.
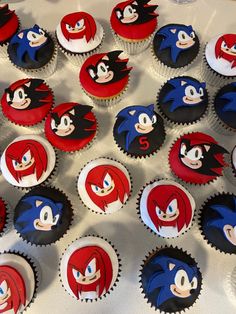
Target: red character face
x=226, y=48
x=89, y=270
x=106, y=184
x=77, y=25
x=2, y=215
x=168, y=205
x=12, y=290
x=8, y=23
x=26, y=157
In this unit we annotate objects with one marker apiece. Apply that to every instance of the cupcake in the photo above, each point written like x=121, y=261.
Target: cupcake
x=104, y=185
x=3, y=216
x=133, y=25
x=104, y=77
x=139, y=131
x=219, y=61
x=182, y=100
x=89, y=268
x=71, y=127
x=18, y=282
x=218, y=222
x=223, y=115
x=79, y=36
x=170, y=280
x=28, y=161
x=166, y=208
x=230, y=172
x=27, y=102
x=33, y=51
x=43, y=215
x=175, y=47
x=9, y=26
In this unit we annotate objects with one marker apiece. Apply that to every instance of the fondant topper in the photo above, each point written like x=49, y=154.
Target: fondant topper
x=8, y=23
x=226, y=48
x=231, y=100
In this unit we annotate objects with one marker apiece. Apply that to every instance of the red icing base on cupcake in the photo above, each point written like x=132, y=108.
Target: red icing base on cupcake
x=9, y=28
x=2, y=215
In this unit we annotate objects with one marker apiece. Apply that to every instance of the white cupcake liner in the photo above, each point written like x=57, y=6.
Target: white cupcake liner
x=229, y=172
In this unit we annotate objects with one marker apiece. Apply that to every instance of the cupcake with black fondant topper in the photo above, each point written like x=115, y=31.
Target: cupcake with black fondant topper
x=230, y=172
x=90, y=268
x=175, y=47
x=133, y=24
x=166, y=208
x=197, y=158
x=218, y=222
x=33, y=51
x=43, y=215
x=170, y=280
x=4, y=215
x=219, y=60
x=183, y=100
x=139, y=131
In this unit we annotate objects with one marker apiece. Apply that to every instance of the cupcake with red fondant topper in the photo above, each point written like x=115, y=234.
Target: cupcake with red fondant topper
x=133, y=24
x=197, y=158
x=9, y=25
x=71, y=127
x=27, y=102
x=104, y=77
x=79, y=36
x=3, y=216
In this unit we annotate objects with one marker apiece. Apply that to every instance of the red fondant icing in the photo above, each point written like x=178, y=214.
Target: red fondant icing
x=8, y=29
x=226, y=48
x=2, y=214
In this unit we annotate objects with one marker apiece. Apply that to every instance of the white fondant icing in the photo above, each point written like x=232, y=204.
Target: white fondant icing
x=25, y=270
x=80, y=45
x=112, y=207
x=30, y=180
x=166, y=231
x=220, y=65
x=84, y=242
x=234, y=158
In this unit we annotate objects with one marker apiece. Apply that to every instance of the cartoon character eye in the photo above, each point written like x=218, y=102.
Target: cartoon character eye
x=19, y=95
x=172, y=207
x=53, y=125
x=15, y=164
x=195, y=153
x=68, y=27
x=76, y=274
x=102, y=69
x=158, y=211
x=79, y=24
x=194, y=283
x=107, y=181
x=128, y=11
x=183, y=36
x=118, y=14
x=3, y=288
x=92, y=73
x=233, y=49
x=64, y=123
x=201, y=91
x=41, y=32
x=190, y=91
x=91, y=268
x=154, y=119
x=224, y=45
x=46, y=215
x=192, y=35
x=26, y=157
x=181, y=280
x=183, y=149
x=96, y=189
x=144, y=119
x=32, y=36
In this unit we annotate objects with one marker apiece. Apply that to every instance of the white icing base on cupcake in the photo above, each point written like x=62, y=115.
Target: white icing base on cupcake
x=234, y=158
x=220, y=65
x=80, y=45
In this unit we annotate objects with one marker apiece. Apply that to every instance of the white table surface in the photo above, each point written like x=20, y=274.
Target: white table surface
x=123, y=228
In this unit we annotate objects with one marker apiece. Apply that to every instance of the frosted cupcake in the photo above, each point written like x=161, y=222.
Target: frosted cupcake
x=79, y=36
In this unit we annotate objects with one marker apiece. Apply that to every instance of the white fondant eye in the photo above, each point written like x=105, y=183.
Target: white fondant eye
x=79, y=24
x=190, y=91
x=183, y=149
x=41, y=32
x=55, y=219
x=158, y=211
x=107, y=181
x=53, y=124
x=64, y=123
x=3, y=289
x=46, y=215
x=181, y=280
x=102, y=69
x=144, y=119
x=118, y=14
x=154, y=119
x=19, y=95
x=128, y=11
x=96, y=189
x=233, y=49
x=26, y=157
x=201, y=91
x=32, y=36
x=15, y=164
x=192, y=35
x=76, y=274
x=195, y=153
x=224, y=45
x=183, y=36
x=69, y=28
x=172, y=207
x=92, y=73
x=194, y=283
x=91, y=268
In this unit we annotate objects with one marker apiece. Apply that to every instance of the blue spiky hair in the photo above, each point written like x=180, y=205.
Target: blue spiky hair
x=178, y=92
x=130, y=117
x=163, y=279
x=170, y=34
x=27, y=218
x=231, y=97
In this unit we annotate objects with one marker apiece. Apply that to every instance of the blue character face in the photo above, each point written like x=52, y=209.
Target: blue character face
x=177, y=38
x=231, y=97
x=185, y=93
x=29, y=41
x=43, y=215
x=226, y=221
x=176, y=279
x=138, y=120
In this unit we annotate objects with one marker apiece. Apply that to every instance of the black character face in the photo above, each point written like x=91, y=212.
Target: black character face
x=18, y=99
x=192, y=157
x=63, y=126
x=129, y=14
x=102, y=72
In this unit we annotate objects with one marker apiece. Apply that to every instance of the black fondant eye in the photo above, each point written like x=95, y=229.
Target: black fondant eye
x=182, y=280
